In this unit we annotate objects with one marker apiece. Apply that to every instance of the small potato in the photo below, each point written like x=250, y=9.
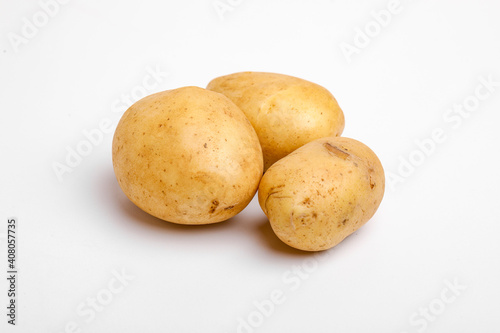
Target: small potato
x=188, y=156
x=286, y=112
x=322, y=192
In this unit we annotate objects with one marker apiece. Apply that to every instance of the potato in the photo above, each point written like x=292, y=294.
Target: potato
x=286, y=112
x=188, y=156
x=322, y=192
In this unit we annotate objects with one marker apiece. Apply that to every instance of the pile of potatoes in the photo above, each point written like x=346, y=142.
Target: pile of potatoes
x=197, y=156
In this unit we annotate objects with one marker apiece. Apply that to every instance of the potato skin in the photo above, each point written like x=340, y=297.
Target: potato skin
x=322, y=192
x=187, y=156
x=286, y=112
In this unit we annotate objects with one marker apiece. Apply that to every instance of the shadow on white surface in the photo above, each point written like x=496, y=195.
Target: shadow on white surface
x=134, y=213
x=250, y=224
x=266, y=236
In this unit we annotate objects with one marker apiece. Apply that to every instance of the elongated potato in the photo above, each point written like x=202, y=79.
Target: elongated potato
x=188, y=156
x=322, y=192
x=286, y=112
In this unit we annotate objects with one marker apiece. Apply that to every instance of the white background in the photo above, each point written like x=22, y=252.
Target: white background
x=438, y=225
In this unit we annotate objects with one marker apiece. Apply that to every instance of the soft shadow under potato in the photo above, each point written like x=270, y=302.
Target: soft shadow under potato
x=273, y=243
x=137, y=215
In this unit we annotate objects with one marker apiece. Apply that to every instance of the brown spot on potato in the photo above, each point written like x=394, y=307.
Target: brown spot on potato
x=336, y=151
x=229, y=207
x=372, y=183
x=276, y=197
x=275, y=187
x=205, y=145
x=214, y=206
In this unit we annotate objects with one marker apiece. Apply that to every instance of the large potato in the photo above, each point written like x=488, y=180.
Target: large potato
x=286, y=112
x=188, y=156
x=322, y=192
